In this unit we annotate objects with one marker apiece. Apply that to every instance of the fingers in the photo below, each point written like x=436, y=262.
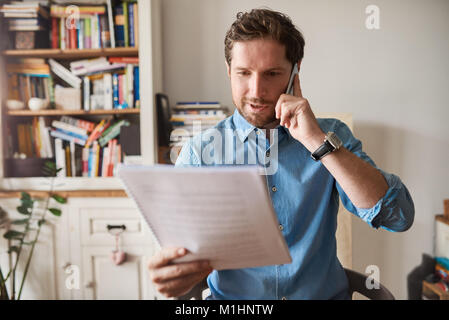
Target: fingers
x=181, y=286
x=178, y=270
x=165, y=256
x=297, y=92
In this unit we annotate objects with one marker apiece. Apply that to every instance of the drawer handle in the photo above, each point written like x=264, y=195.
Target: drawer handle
x=110, y=227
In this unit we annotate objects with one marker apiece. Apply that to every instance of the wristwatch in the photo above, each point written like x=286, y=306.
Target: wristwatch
x=331, y=143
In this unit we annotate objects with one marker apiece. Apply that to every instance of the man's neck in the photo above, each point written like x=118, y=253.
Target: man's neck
x=271, y=125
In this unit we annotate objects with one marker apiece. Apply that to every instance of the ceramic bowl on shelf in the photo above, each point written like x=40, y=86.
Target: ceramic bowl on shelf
x=36, y=104
x=15, y=105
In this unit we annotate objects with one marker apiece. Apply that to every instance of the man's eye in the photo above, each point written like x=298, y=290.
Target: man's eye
x=273, y=74
x=243, y=73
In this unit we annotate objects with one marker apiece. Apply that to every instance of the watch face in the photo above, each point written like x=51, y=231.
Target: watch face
x=334, y=140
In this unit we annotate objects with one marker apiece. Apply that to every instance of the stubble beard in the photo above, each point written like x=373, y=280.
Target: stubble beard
x=257, y=120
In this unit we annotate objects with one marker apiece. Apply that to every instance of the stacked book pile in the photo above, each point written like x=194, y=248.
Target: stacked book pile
x=190, y=116
x=26, y=15
x=27, y=78
x=109, y=25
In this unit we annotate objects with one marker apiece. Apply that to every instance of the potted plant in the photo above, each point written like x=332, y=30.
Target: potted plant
x=24, y=232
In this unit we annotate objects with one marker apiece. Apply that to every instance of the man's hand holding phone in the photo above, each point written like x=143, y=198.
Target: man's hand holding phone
x=295, y=114
x=176, y=279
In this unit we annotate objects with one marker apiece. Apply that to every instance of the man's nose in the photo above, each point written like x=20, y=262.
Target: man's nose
x=257, y=86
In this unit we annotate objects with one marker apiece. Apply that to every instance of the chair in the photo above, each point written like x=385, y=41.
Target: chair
x=357, y=283
x=356, y=280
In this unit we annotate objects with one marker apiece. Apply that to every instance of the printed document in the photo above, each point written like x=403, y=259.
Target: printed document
x=222, y=214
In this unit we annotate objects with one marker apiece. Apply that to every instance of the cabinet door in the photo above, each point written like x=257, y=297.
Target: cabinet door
x=45, y=272
x=104, y=280
x=92, y=244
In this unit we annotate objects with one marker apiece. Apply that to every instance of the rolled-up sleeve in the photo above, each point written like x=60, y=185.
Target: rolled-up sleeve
x=395, y=211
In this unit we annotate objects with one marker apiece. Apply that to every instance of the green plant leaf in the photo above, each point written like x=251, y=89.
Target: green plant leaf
x=21, y=221
x=29, y=243
x=25, y=196
x=13, y=249
x=55, y=211
x=12, y=234
x=59, y=198
x=24, y=210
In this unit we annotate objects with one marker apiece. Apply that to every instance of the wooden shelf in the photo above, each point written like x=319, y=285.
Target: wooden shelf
x=71, y=53
x=434, y=292
x=67, y=194
x=53, y=112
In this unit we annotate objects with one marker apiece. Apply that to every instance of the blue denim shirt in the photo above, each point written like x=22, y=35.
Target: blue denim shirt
x=305, y=197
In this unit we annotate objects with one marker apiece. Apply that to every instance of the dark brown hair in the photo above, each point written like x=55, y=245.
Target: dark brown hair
x=265, y=23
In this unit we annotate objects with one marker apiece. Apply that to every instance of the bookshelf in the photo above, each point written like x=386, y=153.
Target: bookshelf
x=150, y=77
x=72, y=53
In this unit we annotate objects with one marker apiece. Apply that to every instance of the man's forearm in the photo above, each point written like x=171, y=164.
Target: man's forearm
x=362, y=183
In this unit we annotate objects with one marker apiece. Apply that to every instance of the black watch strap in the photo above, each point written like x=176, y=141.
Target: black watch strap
x=324, y=149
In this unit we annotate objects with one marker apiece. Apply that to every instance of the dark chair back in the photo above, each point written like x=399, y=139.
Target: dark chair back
x=357, y=283
x=164, y=126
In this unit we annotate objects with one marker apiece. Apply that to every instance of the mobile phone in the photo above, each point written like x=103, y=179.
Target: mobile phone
x=295, y=71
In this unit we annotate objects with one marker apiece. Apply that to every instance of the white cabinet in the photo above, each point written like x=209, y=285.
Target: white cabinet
x=91, y=245
x=72, y=259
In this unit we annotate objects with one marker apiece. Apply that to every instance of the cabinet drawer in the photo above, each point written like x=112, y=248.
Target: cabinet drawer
x=94, y=224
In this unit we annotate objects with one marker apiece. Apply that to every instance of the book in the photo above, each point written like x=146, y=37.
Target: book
x=112, y=132
x=126, y=23
x=132, y=41
x=111, y=23
x=86, y=94
x=136, y=87
x=115, y=90
x=83, y=124
x=67, y=137
x=119, y=26
x=69, y=128
x=60, y=158
x=108, y=92
x=99, y=129
x=65, y=74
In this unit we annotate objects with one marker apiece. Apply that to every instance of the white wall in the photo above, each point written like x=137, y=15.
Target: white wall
x=394, y=81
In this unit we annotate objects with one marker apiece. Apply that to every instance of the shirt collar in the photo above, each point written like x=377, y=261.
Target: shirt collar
x=244, y=128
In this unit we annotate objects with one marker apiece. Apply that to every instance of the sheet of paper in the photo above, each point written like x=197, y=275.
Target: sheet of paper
x=223, y=214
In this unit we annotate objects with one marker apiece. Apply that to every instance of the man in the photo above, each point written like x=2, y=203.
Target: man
x=261, y=49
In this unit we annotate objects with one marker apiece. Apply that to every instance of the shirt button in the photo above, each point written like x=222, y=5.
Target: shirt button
x=274, y=189
x=268, y=153
x=284, y=298
x=281, y=227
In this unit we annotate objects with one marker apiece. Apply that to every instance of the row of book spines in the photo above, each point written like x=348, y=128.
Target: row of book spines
x=92, y=31
x=126, y=24
x=92, y=162
x=23, y=87
x=88, y=33
x=100, y=162
x=34, y=139
x=120, y=90
x=126, y=93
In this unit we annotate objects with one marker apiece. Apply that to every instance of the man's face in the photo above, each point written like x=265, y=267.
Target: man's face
x=259, y=74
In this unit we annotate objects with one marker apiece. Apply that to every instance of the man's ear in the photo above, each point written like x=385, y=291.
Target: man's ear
x=228, y=68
